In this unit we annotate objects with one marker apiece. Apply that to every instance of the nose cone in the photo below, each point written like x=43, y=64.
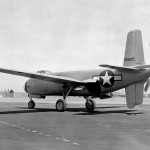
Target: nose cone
x=26, y=86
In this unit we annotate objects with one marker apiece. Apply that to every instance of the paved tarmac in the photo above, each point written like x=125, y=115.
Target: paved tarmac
x=110, y=127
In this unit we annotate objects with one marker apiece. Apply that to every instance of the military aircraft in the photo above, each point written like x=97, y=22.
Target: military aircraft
x=93, y=83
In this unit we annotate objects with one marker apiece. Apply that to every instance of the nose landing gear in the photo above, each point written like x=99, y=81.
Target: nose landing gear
x=31, y=104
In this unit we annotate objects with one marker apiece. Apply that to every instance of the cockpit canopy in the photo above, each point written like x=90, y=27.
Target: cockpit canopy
x=44, y=72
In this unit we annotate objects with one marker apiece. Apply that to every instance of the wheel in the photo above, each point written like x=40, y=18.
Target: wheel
x=90, y=105
x=61, y=105
x=31, y=104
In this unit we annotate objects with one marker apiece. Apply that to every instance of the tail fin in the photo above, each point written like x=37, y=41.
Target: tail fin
x=134, y=94
x=134, y=49
x=134, y=56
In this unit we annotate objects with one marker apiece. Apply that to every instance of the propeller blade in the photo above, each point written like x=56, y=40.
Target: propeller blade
x=147, y=85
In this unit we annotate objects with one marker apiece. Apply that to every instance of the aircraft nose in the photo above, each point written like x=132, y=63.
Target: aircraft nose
x=26, y=87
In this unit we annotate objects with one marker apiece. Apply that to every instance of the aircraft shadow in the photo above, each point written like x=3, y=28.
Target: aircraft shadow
x=127, y=112
x=36, y=110
x=104, y=107
x=78, y=111
x=85, y=110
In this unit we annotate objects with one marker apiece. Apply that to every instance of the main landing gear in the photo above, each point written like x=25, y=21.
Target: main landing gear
x=61, y=104
x=90, y=104
x=31, y=104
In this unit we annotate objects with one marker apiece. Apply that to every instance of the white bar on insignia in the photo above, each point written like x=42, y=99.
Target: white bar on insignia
x=96, y=78
x=118, y=78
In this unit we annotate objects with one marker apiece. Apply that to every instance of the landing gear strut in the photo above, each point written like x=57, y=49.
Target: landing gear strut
x=90, y=104
x=61, y=104
x=31, y=104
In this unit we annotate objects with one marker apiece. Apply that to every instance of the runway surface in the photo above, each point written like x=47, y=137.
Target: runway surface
x=110, y=127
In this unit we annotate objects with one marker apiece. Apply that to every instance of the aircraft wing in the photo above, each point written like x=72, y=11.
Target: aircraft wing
x=46, y=77
x=138, y=67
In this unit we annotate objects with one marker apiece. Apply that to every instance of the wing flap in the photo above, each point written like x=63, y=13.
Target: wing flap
x=52, y=78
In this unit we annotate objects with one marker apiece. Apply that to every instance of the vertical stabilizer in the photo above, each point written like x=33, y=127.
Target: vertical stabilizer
x=134, y=49
x=134, y=94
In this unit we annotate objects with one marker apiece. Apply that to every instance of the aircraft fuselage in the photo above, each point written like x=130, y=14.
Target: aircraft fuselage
x=106, y=80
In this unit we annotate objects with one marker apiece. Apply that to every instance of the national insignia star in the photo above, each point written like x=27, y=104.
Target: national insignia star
x=106, y=78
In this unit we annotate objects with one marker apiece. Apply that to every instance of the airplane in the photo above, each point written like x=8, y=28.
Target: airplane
x=93, y=83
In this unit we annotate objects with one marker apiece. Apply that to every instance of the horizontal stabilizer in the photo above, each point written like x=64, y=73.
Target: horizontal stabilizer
x=117, y=67
x=137, y=67
x=142, y=66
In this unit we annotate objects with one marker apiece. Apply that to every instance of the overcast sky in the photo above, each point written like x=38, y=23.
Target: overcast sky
x=61, y=35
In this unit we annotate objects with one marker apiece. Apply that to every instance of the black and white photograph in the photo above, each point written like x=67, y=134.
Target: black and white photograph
x=74, y=75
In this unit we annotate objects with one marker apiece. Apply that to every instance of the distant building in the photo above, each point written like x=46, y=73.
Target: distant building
x=8, y=93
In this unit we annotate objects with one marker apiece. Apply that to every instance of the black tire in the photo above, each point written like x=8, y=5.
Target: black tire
x=61, y=105
x=90, y=105
x=31, y=104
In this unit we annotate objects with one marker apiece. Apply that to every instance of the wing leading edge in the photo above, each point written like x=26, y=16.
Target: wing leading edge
x=52, y=78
